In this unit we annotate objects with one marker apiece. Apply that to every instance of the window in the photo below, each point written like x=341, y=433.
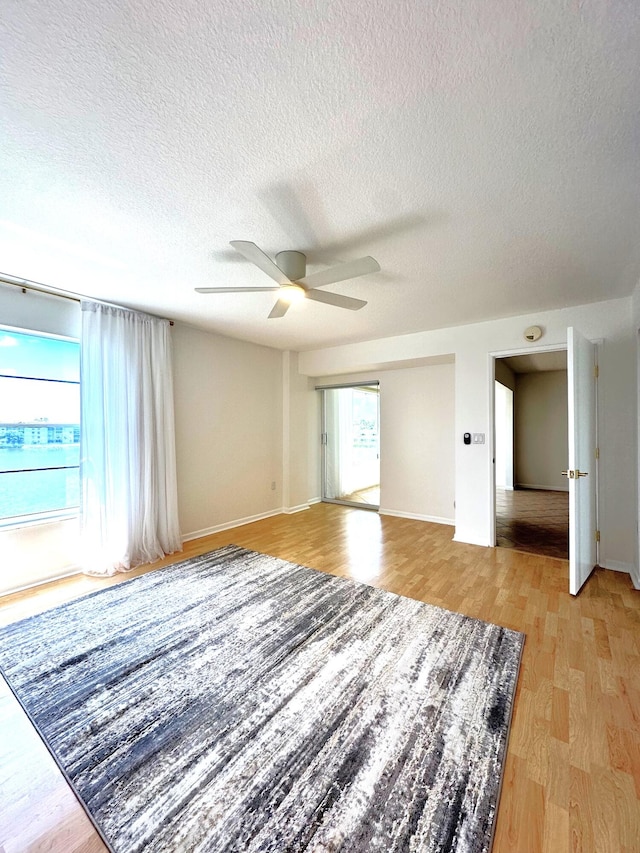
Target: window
x=39, y=426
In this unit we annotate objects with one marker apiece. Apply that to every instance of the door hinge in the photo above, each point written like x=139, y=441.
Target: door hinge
x=323, y=438
x=596, y=371
x=597, y=535
x=597, y=453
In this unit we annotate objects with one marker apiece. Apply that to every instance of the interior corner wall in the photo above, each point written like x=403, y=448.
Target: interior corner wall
x=635, y=314
x=314, y=474
x=505, y=375
x=228, y=413
x=297, y=390
x=541, y=430
x=416, y=439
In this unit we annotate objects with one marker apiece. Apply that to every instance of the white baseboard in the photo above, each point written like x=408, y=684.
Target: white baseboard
x=468, y=539
x=314, y=501
x=617, y=566
x=417, y=517
x=228, y=525
x=289, y=510
x=72, y=571
x=541, y=488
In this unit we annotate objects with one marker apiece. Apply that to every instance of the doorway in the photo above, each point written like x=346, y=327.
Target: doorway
x=351, y=445
x=531, y=428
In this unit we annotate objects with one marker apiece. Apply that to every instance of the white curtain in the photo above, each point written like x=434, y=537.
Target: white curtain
x=129, y=506
x=339, y=451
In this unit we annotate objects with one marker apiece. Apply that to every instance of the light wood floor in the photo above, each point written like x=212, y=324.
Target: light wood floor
x=572, y=776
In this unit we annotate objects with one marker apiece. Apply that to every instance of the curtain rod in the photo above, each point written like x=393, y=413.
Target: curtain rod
x=26, y=284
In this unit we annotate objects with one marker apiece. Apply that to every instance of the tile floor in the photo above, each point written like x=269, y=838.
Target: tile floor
x=533, y=520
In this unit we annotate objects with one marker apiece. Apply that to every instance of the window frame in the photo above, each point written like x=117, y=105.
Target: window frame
x=52, y=515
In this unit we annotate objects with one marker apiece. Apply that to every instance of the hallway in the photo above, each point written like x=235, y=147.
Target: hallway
x=533, y=520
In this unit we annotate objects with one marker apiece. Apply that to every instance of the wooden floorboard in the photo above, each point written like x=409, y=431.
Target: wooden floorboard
x=572, y=774
x=533, y=520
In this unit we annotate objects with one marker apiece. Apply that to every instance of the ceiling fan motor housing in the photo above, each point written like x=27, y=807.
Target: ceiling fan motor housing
x=292, y=264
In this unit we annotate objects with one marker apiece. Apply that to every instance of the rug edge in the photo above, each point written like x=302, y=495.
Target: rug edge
x=231, y=546
x=125, y=580
x=505, y=750
x=58, y=763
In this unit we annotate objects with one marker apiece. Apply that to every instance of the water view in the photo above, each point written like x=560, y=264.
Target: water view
x=32, y=491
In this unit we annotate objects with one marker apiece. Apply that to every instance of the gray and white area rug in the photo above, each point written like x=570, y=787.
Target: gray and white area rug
x=237, y=702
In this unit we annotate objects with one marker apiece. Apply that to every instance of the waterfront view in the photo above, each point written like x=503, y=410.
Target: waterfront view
x=31, y=491
x=39, y=425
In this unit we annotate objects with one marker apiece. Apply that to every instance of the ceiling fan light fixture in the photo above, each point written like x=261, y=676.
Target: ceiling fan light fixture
x=292, y=282
x=291, y=293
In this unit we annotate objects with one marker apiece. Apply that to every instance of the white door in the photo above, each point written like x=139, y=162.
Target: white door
x=582, y=458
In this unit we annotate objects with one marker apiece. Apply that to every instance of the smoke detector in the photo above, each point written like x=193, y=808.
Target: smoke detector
x=533, y=333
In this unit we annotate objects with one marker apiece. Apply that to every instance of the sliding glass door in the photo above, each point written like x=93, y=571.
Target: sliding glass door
x=351, y=445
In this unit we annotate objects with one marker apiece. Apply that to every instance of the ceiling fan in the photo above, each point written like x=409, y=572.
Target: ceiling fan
x=293, y=283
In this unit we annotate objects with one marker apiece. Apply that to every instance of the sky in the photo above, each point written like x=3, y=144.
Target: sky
x=34, y=356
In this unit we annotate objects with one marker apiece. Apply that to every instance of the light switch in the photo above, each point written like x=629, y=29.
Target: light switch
x=478, y=438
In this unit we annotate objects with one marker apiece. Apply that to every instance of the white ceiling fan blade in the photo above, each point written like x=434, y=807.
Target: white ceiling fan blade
x=279, y=309
x=336, y=299
x=254, y=254
x=341, y=272
x=234, y=289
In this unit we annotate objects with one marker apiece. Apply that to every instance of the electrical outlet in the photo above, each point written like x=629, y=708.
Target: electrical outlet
x=273, y=486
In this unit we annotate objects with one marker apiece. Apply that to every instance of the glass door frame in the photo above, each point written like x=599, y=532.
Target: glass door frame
x=323, y=441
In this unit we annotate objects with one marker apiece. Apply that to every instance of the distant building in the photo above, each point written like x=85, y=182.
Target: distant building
x=18, y=435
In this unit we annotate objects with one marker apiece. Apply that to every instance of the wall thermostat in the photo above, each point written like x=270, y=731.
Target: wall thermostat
x=533, y=333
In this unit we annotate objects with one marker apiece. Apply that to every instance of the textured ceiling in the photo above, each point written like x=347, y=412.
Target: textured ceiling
x=486, y=153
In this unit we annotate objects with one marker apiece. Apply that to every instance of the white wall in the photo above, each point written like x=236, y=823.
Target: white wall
x=30, y=555
x=229, y=430
x=229, y=436
x=416, y=440
x=541, y=428
x=635, y=311
x=314, y=474
x=39, y=552
x=504, y=433
x=417, y=453
x=504, y=375
x=232, y=418
x=39, y=312
x=474, y=347
x=504, y=424
x=296, y=430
